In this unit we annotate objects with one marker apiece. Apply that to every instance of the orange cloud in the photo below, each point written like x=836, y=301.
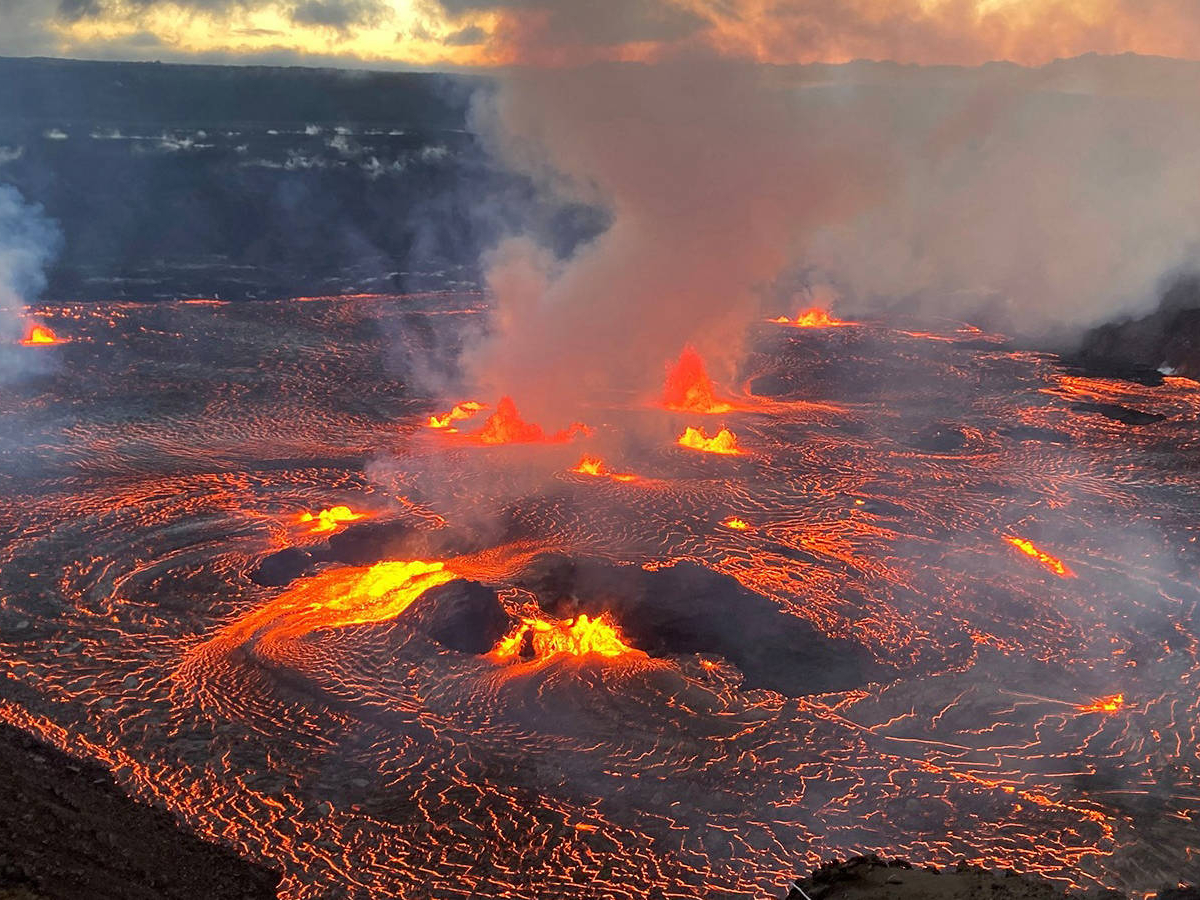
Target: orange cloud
x=485, y=33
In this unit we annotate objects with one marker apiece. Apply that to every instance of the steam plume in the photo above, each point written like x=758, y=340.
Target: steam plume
x=1034, y=200
x=28, y=240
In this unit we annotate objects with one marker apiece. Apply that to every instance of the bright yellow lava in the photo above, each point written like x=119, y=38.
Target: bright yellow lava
x=329, y=519
x=1057, y=566
x=1110, y=704
x=723, y=441
x=339, y=598
x=575, y=637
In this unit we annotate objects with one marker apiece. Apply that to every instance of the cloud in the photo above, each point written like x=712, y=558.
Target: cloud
x=585, y=22
x=341, y=15
x=470, y=36
x=966, y=32
x=577, y=32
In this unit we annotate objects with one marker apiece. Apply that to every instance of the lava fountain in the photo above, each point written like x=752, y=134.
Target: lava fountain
x=688, y=387
x=327, y=520
x=464, y=410
x=542, y=639
x=723, y=442
x=505, y=426
x=812, y=318
x=591, y=465
x=39, y=335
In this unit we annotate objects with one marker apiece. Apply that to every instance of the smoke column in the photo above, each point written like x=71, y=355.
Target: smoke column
x=1039, y=201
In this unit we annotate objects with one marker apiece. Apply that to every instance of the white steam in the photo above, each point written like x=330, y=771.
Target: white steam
x=28, y=241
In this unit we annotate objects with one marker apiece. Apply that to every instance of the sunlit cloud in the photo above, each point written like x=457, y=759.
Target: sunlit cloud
x=468, y=33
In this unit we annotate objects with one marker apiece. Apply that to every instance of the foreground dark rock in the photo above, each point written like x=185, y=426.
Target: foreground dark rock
x=68, y=831
x=1134, y=349
x=872, y=878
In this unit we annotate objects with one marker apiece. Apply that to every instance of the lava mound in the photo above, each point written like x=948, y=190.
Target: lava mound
x=282, y=567
x=688, y=608
x=462, y=615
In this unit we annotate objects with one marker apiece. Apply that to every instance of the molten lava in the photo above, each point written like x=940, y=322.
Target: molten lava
x=505, y=426
x=1111, y=704
x=812, y=318
x=1057, y=566
x=542, y=639
x=736, y=524
x=329, y=519
x=338, y=598
x=723, y=442
x=590, y=465
x=688, y=387
x=463, y=410
x=37, y=335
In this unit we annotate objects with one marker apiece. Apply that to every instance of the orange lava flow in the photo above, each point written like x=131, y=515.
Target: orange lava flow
x=812, y=318
x=505, y=426
x=329, y=519
x=1111, y=704
x=688, y=387
x=723, y=442
x=463, y=410
x=338, y=598
x=736, y=524
x=37, y=335
x=590, y=465
x=1057, y=566
x=542, y=639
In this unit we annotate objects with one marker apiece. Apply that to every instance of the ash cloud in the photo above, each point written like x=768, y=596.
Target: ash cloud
x=1034, y=201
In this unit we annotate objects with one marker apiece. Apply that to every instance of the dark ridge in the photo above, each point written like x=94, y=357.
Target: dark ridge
x=54, y=90
x=177, y=181
x=68, y=831
x=872, y=878
x=283, y=567
x=1136, y=348
x=688, y=608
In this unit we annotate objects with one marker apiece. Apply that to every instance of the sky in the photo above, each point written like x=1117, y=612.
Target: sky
x=452, y=34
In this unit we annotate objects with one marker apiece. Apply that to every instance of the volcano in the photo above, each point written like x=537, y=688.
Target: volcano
x=896, y=618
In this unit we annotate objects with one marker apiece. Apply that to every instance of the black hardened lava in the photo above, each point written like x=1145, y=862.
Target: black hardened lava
x=68, y=831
